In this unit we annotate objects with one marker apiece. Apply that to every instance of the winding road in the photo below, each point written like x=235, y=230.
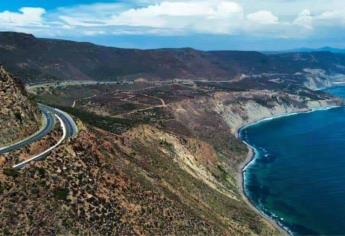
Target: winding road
x=49, y=122
x=50, y=115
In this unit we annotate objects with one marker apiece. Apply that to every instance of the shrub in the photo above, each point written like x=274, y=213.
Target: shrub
x=11, y=172
x=61, y=193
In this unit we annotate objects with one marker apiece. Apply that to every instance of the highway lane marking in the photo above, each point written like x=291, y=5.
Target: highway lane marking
x=70, y=120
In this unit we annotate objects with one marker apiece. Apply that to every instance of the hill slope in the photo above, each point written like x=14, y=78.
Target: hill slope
x=19, y=117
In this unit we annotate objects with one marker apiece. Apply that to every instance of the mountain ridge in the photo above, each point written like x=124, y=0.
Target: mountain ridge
x=37, y=60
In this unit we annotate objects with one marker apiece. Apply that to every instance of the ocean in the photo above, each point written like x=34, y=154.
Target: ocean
x=298, y=174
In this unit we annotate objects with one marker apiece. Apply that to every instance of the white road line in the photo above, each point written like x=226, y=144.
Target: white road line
x=70, y=120
x=22, y=164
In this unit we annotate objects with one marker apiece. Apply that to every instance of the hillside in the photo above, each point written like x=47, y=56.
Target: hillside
x=148, y=178
x=160, y=170
x=19, y=116
x=40, y=60
x=152, y=157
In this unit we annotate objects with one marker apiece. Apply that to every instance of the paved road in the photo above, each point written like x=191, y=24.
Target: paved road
x=68, y=126
x=43, y=154
x=49, y=125
x=71, y=127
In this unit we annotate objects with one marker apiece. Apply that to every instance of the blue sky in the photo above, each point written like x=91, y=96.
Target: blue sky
x=202, y=24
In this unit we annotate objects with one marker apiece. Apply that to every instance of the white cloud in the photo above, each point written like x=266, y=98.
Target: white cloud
x=263, y=17
x=27, y=16
x=332, y=18
x=193, y=16
x=304, y=19
x=269, y=18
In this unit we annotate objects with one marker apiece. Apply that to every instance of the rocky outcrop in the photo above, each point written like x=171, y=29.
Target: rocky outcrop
x=243, y=108
x=19, y=117
x=216, y=119
x=317, y=79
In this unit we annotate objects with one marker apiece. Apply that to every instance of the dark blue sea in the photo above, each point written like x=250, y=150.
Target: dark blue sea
x=298, y=174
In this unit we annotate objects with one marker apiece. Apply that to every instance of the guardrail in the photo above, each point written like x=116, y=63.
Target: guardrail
x=43, y=154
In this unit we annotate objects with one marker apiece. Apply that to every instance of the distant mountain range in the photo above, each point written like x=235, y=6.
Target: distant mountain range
x=323, y=49
x=36, y=60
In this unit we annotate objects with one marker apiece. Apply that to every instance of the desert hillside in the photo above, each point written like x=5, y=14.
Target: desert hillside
x=19, y=116
x=142, y=179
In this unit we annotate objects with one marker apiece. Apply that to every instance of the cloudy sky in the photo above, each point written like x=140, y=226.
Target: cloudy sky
x=203, y=24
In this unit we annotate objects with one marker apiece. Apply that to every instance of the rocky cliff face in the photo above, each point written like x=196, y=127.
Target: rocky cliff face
x=19, y=117
x=317, y=79
x=247, y=107
x=217, y=119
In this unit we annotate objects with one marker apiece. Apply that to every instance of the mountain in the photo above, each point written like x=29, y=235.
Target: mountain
x=330, y=49
x=19, y=116
x=308, y=50
x=37, y=60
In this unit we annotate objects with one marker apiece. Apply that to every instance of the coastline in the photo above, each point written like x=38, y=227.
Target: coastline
x=251, y=157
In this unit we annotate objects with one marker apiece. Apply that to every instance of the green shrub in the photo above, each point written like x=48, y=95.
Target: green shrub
x=11, y=172
x=61, y=193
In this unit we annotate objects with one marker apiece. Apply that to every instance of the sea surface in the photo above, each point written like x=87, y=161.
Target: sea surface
x=298, y=174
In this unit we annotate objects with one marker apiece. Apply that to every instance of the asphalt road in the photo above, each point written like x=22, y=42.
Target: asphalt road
x=68, y=126
x=49, y=125
x=71, y=127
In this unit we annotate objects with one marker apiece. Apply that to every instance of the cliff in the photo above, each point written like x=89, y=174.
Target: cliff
x=19, y=117
x=211, y=118
x=317, y=79
x=243, y=108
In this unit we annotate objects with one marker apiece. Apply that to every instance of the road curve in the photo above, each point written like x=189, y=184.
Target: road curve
x=69, y=129
x=43, y=154
x=49, y=125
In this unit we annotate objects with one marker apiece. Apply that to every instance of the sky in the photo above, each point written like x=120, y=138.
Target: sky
x=263, y=25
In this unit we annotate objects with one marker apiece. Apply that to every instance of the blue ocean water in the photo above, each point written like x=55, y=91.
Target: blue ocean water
x=298, y=174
